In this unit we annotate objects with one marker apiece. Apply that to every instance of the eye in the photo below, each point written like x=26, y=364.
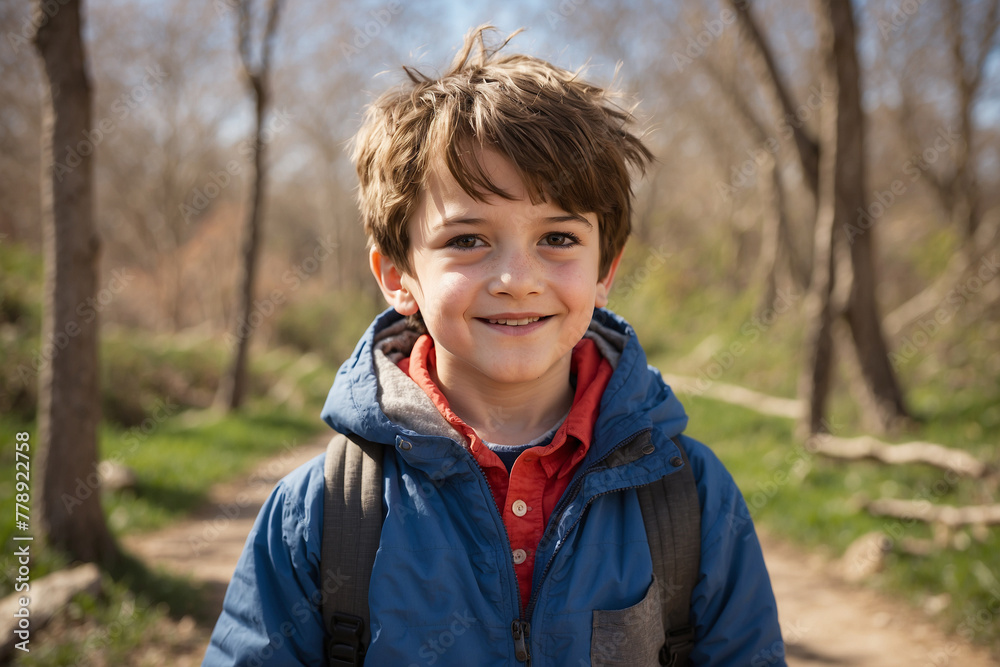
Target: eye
x=465, y=241
x=560, y=239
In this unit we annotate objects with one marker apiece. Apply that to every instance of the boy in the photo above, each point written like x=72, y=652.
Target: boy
x=497, y=199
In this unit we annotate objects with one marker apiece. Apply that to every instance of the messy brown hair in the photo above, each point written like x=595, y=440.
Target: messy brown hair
x=568, y=139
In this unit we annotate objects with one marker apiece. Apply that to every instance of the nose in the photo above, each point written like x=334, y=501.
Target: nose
x=517, y=273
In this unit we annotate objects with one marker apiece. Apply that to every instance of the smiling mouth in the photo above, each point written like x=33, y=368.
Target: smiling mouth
x=515, y=322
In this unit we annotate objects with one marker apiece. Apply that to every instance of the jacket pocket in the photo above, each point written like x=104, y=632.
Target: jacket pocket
x=630, y=636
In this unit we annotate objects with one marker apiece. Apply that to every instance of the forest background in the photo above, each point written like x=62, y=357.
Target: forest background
x=820, y=228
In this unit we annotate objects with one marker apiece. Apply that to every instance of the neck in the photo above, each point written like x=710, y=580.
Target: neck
x=507, y=414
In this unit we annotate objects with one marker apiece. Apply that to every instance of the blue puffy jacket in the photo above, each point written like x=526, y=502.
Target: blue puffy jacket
x=443, y=589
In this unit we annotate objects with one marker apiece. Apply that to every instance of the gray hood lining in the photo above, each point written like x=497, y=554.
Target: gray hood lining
x=400, y=398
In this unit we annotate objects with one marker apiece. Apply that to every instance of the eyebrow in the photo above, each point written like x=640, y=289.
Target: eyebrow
x=569, y=218
x=459, y=220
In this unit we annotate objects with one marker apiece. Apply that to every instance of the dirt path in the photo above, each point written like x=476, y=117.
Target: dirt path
x=824, y=620
x=207, y=546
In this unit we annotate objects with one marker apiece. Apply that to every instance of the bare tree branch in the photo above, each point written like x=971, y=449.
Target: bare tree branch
x=243, y=35
x=734, y=94
x=807, y=147
x=269, y=33
x=991, y=34
x=942, y=184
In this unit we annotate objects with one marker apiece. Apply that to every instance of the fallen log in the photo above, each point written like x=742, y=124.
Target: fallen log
x=864, y=447
x=45, y=598
x=945, y=515
x=790, y=408
x=867, y=447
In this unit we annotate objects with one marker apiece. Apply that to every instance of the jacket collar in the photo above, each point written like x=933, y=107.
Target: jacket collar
x=373, y=398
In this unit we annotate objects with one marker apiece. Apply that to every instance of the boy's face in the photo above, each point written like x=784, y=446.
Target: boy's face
x=505, y=288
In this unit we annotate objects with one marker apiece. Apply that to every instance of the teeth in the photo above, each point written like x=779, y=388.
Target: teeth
x=516, y=323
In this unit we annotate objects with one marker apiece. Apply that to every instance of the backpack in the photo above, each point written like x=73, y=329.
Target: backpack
x=352, y=528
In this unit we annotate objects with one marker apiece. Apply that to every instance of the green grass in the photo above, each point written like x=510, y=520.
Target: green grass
x=20, y=325
x=179, y=460
x=330, y=326
x=91, y=630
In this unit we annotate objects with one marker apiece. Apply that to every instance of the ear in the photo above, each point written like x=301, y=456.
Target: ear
x=390, y=281
x=604, y=284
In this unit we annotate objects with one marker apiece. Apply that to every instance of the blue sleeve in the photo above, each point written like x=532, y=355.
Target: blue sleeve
x=271, y=614
x=732, y=607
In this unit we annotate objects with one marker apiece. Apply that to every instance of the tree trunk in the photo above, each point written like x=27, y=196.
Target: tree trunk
x=69, y=514
x=862, y=311
x=816, y=376
x=815, y=381
x=232, y=390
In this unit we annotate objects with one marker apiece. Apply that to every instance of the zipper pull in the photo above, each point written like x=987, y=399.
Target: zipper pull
x=521, y=631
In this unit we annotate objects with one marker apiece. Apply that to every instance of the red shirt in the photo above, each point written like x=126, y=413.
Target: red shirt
x=527, y=496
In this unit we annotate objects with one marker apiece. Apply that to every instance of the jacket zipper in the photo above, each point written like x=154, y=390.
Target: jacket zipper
x=567, y=498
x=522, y=641
x=520, y=630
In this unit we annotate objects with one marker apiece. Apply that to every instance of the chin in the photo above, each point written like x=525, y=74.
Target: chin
x=511, y=374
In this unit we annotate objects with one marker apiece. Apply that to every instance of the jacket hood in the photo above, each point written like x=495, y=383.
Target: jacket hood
x=372, y=398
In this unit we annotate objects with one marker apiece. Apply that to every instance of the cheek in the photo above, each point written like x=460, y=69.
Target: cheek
x=456, y=286
x=580, y=286
x=449, y=293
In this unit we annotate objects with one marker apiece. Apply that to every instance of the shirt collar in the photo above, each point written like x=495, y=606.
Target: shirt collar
x=587, y=364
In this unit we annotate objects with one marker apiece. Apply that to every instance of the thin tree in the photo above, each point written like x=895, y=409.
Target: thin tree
x=68, y=510
x=862, y=313
x=232, y=389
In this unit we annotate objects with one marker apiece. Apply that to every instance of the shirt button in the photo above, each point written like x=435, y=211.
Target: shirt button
x=519, y=556
x=520, y=507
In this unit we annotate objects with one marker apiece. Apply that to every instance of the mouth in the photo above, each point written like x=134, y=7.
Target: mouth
x=515, y=321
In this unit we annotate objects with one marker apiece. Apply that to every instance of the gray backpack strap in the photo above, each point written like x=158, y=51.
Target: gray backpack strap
x=672, y=516
x=352, y=528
